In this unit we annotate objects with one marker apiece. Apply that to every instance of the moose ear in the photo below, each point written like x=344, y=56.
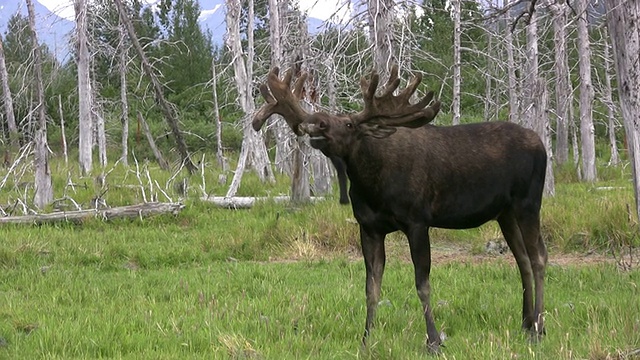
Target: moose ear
x=377, y=131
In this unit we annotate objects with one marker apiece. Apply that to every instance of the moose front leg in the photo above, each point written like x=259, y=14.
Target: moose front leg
x=374, y=259
x=418, y=236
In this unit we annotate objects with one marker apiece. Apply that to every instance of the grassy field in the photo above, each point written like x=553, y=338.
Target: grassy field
x=287, y=282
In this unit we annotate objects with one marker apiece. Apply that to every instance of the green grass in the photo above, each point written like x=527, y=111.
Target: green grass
x=307, y=309
x=287, y=282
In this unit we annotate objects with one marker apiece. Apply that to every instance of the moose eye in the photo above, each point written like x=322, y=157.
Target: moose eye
x=349, y=125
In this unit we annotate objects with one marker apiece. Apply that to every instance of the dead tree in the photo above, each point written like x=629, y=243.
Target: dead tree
x=563, y=90
x=457, y=77
x=124, y=117
x=587, y=131
x=43, y=187
x=167, y=109
x=7, y=100
x=85, y=121
x=623, y=22
x=381, y=34
x=253, y=151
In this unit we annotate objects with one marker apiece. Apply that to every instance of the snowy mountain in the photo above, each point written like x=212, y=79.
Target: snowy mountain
x=52, y=29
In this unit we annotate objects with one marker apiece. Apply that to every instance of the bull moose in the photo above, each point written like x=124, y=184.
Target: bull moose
x=409, y=175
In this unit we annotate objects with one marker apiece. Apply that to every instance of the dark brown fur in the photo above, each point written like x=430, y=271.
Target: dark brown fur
x=452, y=177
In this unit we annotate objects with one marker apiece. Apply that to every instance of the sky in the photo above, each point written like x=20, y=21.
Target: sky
x=320, y=9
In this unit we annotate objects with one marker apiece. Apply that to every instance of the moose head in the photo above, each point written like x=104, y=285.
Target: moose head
x=333, y=134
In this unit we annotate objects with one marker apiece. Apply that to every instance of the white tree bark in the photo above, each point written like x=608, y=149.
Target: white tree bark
x=85, y=136
x=43, y=187
x=457, y=77
x=514, y=105
x=563, y=90
x=279, y=30
x=623, y=21
x=65, y=151
x=587, y=131
x=536, y=99
x=7, y=100
x=124, y=102
x=612, y=122
x=101, y=136
x=543, y=128
x=221, y=159
x=381, y=35
x=253, y=151
x=530, y=112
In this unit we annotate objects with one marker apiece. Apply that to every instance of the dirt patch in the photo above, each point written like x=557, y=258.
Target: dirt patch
x=446, y=253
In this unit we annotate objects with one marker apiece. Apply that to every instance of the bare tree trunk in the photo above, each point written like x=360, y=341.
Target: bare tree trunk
x=612, y=123
x=285, y=138
x=101, y=136
x=167, y=109
x=531, y=74
x=457, y=77
x=587, y=136
x=514, y=106
x=253, y=151
x=623, y=21
x=222, y=161
x=65, y=151
x=124, y=102
x=85, y=137
x=381, y=35
x=43, y=187
x=536, y=99
x=563, y=90
x=544, y=130
x=488, y=80
x=8, y=101
x=152, y=143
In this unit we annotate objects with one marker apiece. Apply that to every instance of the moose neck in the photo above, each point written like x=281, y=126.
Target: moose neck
x=373, y=163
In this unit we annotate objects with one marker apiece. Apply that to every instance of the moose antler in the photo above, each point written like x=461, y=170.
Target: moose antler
x=280, y=99
x=389, y=109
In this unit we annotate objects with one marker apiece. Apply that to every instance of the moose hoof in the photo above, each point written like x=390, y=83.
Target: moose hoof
x=434, y=348
x=535, y=335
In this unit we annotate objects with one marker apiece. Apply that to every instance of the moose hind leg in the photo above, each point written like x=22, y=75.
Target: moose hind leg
x=374, y=260
x=513, y=237
x=537, y=252
x=421, y=256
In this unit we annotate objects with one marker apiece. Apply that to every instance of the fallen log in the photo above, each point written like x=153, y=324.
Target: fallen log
x=246, y=202
x=130, y=211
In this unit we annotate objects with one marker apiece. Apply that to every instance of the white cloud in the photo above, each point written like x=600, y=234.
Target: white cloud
x=206, y=13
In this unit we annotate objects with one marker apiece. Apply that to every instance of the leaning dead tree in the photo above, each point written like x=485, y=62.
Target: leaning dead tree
x=167, y=109
x=43, y=187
